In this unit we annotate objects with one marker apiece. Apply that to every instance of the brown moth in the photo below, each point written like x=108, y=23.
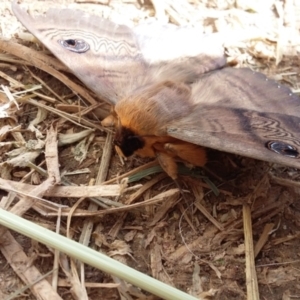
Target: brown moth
x=171, y=90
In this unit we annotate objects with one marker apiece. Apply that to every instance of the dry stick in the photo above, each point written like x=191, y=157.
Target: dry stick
x=156, y=199
x=62, y=191
x=10, y=59
x=7, y=66
x=68, y=191
x=13, y=82
x=284, y=239
x=193, y=246
x=113, y=232
x=16, y=135
x=207, y=214
x=263, y=238
x=103, y=169
x=204, y=211
x=11, y=196
x=105, y=159
x=165, y=207
x=34, y=57
x=72, y=118
x=98, y=213
x=270, y=210
x=197, y=191
x=19, y=262
x=47, y=64
x=183, y=212
x=43, y=56
x=285, y=182
x=251, y=278
x=54, y=177
x=51, y=155
x=27, y=201
x=43, y=83
x=12, y=250
x=102, y=174
x=145, y=187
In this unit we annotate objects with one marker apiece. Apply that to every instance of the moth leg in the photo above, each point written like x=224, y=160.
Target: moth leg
x=168, y=164
x=191, y=153
x=109, y=121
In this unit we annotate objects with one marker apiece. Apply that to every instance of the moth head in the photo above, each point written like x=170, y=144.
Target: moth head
x=127, y=141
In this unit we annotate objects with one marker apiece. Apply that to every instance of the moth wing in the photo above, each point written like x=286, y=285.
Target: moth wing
x=179, y=53
x=111, y=50
x=243, y=112
x=113, y=59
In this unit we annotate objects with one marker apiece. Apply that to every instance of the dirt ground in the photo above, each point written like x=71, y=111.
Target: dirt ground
x=173, y=240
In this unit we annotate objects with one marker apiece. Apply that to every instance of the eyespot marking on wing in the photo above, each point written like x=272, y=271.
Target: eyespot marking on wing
x=283, y=149
x=75, y=45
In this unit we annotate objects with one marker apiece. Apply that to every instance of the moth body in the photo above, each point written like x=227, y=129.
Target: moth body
x=141, y=118
x=168, y=106
x=168, y=150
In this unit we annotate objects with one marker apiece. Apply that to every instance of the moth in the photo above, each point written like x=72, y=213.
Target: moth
x=171, y=90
